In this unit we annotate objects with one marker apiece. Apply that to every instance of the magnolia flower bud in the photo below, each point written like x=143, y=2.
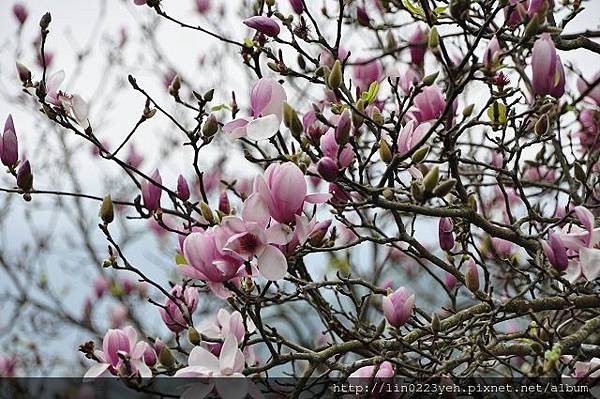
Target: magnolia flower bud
x=207, y=212
x=398, y=306
x=45, y=21
x=450, y=281
x=436, y=324
x=420, y=154
x=468, y=110
x=20, y=13
x=224, y=205
x=183, y=190
x=431, y=179
x=434, y=38
x=362, y=17
x=342, y=130
x=151, y=193
x=357, y=116
x=444, y=188
x=318, y=234
x=430, y=79
x=175, y=86
x=166, y=358
x=472, y=276
x=264, y=25
x=9, y=146
x=377, y=117
x=385, y=152
x=445, y=233
x=291, y=120
x=556, y=252
x=194, y=336
x=24, y=73
x=416, y=190
x=334, y=80
x=328, y=169
x=25, y=177
x=211, y=126
x=107, y=211
x=542, y=125
x=297, y=6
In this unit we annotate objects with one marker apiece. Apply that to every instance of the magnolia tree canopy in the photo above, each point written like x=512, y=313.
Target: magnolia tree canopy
x=389, y=188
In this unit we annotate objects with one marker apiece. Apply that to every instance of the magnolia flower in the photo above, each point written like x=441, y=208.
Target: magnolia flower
x=101, y=285
x=411, y=135
x=117, y=345
x=590, y=122
x=152, y=192
x=139, y=2
x=283, y=190
x=583, y=246
x=202, y=6
x=418, y=45
x=183, y=190
x=428, y=104
x=556, y=252
x=228, y=324
x=263, y=24
x=9, y=146
x=445, y=233
x=20, y=13
x=366, y=72
x=548, y=74
x=176, y=312
x=408, y=79
x=491, y=56
x=252, y=236
x=398, y=306
x=331, y=149
x=72, y=103
x=540, y=173
x=266, y=100
x=297, y=6
x=593, y=93
x=384, y=370
x=134, y=158
x=515, y=11
x=206, y=260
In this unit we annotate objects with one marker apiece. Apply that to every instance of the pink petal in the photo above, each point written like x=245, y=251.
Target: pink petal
x=228, y=354
x=263, y=128
x=272, y=263
x=279, y=234
x=203, y=358
x=256, y=210
x=317, y=198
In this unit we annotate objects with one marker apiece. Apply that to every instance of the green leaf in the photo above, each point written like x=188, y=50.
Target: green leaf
x=220, y=107
x=440, y=10
x=370, y=95
x=179, y=259
x=413, y=9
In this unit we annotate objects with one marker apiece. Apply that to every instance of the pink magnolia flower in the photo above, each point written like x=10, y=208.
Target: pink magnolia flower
x=384, y=370
x=263, y=24
x=183, y=190
x=548, y=74
x=450, y=280
x=207, y=261
x=139, y=2
x=134, y=158
x=446, y=234
x=202, y=6
x=408, y=79
x=297, y=6
x=590, y=122
x=428, y=105
x=556, y=252
x=583, y=246
x=151, y=193
x=366, y=72
x=9, y=146
x=176, y=313
x=225, y=325
x=540, y=173
x=418, y=45
x=116, y=345
x=118, y=315
x=329, y=60
x=411, y=134
x=101, y=285
x=539, y=7
x=283, y=190
x=251, y=236
x=331, y=149
x=503, y=248
x=398, y=306
x=491, y=56
x=593, y=93
x=72, y=103
x=515, y=11
x=20, y=13
x=266, y=100
x=8, y=365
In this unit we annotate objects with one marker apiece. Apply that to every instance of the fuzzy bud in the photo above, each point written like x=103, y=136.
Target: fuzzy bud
x=166, y=358
x=342, y=130
x=472, y=276
x=210, y=127
x=334, y=81
x=328, y=169
x=291, y=120
x=385, y=152
x=431, y=179
x=107, y=210
x=194, y=336
x=25, y=177
x=183, y=190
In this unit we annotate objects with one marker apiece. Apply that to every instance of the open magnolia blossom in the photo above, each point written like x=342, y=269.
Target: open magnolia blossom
x=72, y=103
x=122, y=355
x=266, y=101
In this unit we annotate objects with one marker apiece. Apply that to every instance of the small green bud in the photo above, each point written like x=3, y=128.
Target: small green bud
x=166, y=358
x=542, y=125
x=444, y=188
x=468, y=110
x=533, y=26
x=357, y=117
x=194, y=336
x=107, y=211
x=416, y=189
x=385, y=152
x=579, y=172
x=291, y=120
x=431, y=179
x=206, y=212
x=45, y=21
x=334, y=81
x=420, y=154
x=211, y=126
x=430, y=79
x=208, y=96
x=435, y=323
x=377, y=117
x=434, y=38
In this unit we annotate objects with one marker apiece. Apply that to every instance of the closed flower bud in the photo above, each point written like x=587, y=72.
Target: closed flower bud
x=183, y=190
x=542, y=125
x=297, y=6
x=175, y=86
x=211, y=126
x=444, y=188
x=398, y=306
x=208, y=96
x=24, y=73
x=468, y=110
x=20, y=13
x=357, y=116
x=291, y=120
x=206, y=212
x=334, y=80
x=450, y=281
x=420, y=154
x=446, y=235
x=151, y=192
x=436, y=324
x=472, y=276
x=107, y=211
x=264, y=25
x=434, y=38
x=377, y=117
x=224, y=205
x=25, y=177
x=362, y=17
x=9, y=146
x=431, y=179
x=416, y=189
x=430, y=79
x=45, y=21
x=328, y=169
x=318, y=234
x=194, y=336
x=342, y=130
x=385, y=152
x=166, y=358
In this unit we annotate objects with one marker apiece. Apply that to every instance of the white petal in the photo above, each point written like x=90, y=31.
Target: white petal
x=263, y=128
x=80, y=111
x=144, y=370
x=228, y=353
x=279, y=234
x=272, y=263
x=95, y=371
x=203, y=358
x=589, y=258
